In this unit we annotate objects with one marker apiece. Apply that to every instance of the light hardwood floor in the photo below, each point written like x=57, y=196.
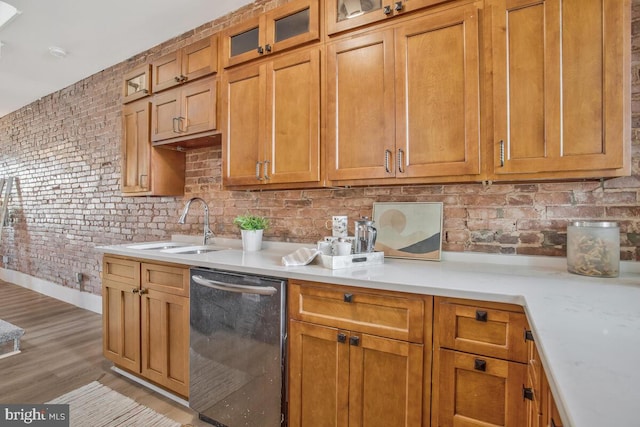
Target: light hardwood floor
x=62, y=351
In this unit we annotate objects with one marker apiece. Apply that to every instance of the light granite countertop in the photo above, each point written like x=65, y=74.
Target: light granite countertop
x=587, y=330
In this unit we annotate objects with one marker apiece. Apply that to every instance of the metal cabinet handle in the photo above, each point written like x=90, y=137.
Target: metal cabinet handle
x=387, y=154
x=243, y=289
x=268, y=48
x=528, y=336
x=177, y=79
x=258, y=177
x=481, y=315
x=398, y=6
x=135, y=290
x=480, y=365
x=342, y=338
x=143, y=291
x=387, y=10
x=260, y=50
x=347, y=298
x=354, y=341
x=400, y=160
x=174, y=125
x=527, y=393
x=143, y=180
x=501, y=153
x=183, y=78
x=266, y=170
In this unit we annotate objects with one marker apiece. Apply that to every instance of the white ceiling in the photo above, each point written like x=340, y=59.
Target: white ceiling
x=96, y=35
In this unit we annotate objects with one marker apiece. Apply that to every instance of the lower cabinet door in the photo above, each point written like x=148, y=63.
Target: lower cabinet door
x=385, y=382
x=341, y=378
x=476, y=391
x=318, y=376
x=121, y=321
x=165, y=340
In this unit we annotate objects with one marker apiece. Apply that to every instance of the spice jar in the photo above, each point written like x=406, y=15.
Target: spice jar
x=593, y=248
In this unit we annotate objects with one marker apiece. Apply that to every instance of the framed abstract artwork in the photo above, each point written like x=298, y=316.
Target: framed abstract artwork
x=409, y=230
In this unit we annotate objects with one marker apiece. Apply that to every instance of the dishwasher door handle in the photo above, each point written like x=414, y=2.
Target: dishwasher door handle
x=243, y=289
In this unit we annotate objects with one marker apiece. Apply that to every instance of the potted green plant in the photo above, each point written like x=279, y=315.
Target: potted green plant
x=251, y=228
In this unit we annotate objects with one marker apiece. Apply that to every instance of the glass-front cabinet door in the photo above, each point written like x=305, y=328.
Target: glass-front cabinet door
x=343, y=15
x=137, y=83
x=290, y=25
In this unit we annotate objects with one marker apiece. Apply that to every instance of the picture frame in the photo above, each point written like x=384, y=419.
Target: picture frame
x=411, y=230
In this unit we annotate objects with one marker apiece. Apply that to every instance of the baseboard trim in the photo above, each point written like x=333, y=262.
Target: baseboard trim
x=153, y=387
x=84, y=300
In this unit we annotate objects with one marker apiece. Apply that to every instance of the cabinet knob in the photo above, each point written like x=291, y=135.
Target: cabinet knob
x=355, y=341
x=398, y=6
x=480, y=365
x=348, y=298
x=135, y=290
x=177, y=79
x=527, y=393
x=528, y=336
x=268, y=48
x=342, y=338
x=260, y=50
x=387, y=10
x=481, y=315
x=143, y=291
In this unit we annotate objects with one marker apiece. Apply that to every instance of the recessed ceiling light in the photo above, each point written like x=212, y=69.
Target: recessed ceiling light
x=58, y=52
x=7, y=13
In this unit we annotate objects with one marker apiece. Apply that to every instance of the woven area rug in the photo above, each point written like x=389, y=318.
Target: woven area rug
x=96, y=405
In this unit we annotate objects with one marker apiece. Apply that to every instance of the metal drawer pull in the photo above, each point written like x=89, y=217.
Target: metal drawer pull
x=387, y=154
x=527, y=393
x=348, y=298
x=387, y=10
x=355, y=341
x=242, y=289
x=342, y=338
x=480, y=365
x=400, y=160
x=398, y=6
x=528, y=336
x=481, y=315
x=266, y=170
x=258, y=177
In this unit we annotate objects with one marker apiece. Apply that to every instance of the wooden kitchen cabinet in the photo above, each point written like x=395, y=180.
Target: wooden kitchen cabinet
x=480, y=369
x=271, y=123
x=561, y=88
x=282, y=28
x=146, y=320
x=184, y=65
x=137, y=84
x=344, y=15
x=405, y=101
x=341, y=375
x=185, y=111
x=147, y=170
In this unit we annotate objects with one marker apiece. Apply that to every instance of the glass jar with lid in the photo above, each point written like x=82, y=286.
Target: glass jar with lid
x=593, y=248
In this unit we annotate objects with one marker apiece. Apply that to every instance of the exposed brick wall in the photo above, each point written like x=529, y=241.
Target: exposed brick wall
x=65, y=150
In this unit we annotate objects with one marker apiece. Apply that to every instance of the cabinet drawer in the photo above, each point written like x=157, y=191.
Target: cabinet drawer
x=166, y=278
x=482, y=330
x=121, y=271
x=479, y=391
x=377, y=314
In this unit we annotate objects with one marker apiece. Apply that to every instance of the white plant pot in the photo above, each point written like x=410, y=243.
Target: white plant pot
x=251, y=240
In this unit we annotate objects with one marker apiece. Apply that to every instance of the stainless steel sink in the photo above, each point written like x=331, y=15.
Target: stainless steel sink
x=157, y=245
x=193, y=250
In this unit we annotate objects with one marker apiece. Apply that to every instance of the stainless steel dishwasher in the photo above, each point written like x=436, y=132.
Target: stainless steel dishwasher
x=237, y=348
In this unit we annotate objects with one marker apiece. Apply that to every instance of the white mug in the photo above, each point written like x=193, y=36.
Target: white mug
x=338, y=225
x=341, y=248
x=324, y=247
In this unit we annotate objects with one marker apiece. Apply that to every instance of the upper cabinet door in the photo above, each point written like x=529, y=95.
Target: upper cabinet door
x=137, y=83
x=561, y=86
x=196, y=60
x=292, y=141
x=287, y=26
x=360, y=107
x=438, y=95
x=343, y=15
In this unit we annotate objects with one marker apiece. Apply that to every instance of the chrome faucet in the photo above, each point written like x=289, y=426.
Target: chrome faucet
x=207, y=231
